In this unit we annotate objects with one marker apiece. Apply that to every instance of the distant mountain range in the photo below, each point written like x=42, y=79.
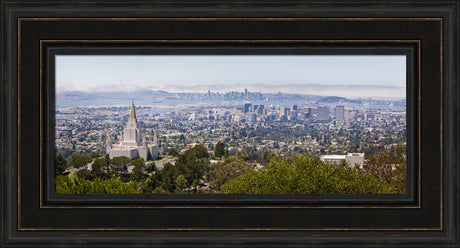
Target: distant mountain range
x=332, y=99
x=75, y=91
x=77, y=95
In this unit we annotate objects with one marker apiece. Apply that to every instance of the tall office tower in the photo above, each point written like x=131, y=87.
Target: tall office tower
x=260, y=110
x=339, y=113
x=322, y=113
x=253, y=118
x=247, y=107
x=308, y=115
x=287, y=111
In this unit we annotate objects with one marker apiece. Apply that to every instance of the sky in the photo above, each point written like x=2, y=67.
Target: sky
x=173, y=73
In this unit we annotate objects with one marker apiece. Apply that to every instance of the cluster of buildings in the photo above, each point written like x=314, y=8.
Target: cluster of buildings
x=133, y=146
x=308, y=114
x=319, y=128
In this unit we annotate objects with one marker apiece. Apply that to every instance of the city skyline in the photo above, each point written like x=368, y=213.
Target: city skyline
x=185, y=150
x=305, y=74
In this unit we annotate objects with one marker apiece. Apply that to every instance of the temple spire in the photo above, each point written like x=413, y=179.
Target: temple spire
x=133, y=112
x=108, y=143
x=155, y=137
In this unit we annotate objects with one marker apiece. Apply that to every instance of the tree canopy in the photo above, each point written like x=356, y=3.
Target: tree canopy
x=173, y=152
x=74, y=185
x=192, y=172
x=305, y=174
x=222, y=172
x=60, y=164
x=219, y=151
x=389, y=166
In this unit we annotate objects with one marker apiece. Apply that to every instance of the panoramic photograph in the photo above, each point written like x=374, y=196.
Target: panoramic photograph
x=230, y=124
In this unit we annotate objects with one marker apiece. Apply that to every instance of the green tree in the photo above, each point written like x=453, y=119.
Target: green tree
x=72, y=158
x=173, y=152
x=82, y=161
x=72, y=184
x=100, y=167
x=107, y=158
x=219, y=150
x=193, y=163
x=305, y=174
x=243, y=155
x=85, y=174
x=150, y=167
x=167, y=177
x=120, y=164
x=60, y=164
x=150, y=183
x=138, y=162
x=94, y=155
x=389, y=165
x=181, y=182
x=266, y=157
x=222, y=172
x=198, y=151
x=138, y=173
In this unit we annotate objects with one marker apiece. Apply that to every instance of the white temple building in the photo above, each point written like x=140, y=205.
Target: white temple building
x=133, y=144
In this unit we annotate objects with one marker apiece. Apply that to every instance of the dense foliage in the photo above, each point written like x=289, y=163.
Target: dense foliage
x=72, y=184
x=305, y=174
x=219, y=151
x=390, y=167
x=60, y=164
x=191, y=171
x=187, y=172
x=222, y=172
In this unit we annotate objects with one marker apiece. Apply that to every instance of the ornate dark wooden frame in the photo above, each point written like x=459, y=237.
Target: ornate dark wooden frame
x=33, y=31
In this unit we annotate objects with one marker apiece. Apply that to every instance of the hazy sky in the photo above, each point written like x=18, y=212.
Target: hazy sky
x=158, y=72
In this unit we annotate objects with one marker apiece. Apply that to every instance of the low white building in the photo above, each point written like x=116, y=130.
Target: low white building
x=355, y=158
x=333, y=158
x=351, y=158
